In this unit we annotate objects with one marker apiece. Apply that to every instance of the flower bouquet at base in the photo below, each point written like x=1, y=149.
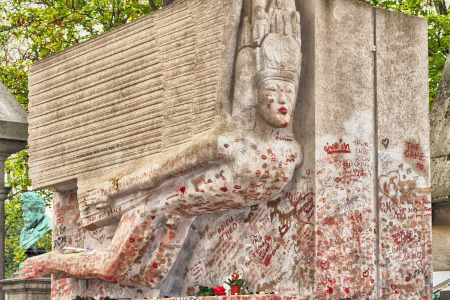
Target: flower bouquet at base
x=207, y=291
x=235, y=283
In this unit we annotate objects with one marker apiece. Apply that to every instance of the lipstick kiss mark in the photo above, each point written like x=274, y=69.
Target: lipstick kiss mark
x=267, y=260
x=283, y=110
x=366, y=273
x=325, y=265
x=283, y=230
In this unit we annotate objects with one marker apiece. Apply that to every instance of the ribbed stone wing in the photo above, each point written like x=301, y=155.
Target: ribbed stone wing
x=136, y=91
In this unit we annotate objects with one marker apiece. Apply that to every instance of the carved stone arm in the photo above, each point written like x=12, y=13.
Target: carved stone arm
x=194, y=156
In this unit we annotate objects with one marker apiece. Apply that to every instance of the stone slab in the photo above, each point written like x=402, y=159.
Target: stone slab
x=240, y=297
x=440, y=116
x=26, y=289
x=344, y=152
x=441, y=236
x=440, y=139
x=404, y=195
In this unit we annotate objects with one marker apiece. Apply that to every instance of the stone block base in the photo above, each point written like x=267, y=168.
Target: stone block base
x=240, y=297
x=27, y=289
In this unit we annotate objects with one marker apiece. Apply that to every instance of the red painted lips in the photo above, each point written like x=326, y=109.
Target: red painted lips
x=283, y=110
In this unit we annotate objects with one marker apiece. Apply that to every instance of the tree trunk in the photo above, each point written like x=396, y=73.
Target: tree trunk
x=441, y=7
x=152, y=5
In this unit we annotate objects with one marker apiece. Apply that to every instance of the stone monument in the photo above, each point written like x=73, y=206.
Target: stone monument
x=440, y=160
x=264, y=136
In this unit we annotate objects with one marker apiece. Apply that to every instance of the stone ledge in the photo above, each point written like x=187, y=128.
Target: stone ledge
x=23, y=284
x=236, y=297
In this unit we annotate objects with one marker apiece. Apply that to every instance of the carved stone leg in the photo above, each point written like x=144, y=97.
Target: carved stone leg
x=161, y=260
x=133, y=233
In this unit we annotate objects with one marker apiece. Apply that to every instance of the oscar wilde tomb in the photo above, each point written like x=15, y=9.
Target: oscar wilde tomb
x=279, y=138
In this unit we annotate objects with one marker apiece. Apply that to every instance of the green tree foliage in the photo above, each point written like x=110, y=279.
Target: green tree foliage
x=437, y=13
x=32, y=30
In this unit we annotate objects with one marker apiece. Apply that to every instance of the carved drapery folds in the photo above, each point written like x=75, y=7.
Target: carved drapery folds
x=269, y=16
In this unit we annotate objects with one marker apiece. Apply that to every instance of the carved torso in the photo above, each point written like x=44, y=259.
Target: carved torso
x=252, y=172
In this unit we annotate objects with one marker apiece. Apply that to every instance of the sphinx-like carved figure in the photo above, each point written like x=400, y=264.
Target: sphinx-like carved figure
x=248, y=160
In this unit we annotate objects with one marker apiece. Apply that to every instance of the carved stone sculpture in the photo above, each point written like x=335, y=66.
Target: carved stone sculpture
x=250, y=158
x=36, y=222
x=187, y=113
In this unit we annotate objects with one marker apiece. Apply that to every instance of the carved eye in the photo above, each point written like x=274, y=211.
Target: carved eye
x=270, y=100
x=289, y=91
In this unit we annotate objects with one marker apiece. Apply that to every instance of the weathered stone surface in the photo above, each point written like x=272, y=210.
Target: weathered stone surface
x=26, y=289
x=322, y=220
x=141, y=90
x=403, y=151
x=246, y=297
x=441, y=237
x=13, y=117
x=440, y=120
x=344, y=152
x=440, y=139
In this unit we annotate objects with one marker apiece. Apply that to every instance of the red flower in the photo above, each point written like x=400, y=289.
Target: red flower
x=220, y=290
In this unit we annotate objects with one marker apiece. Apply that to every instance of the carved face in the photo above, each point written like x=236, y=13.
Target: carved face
x=276, y=99
x=31, y=217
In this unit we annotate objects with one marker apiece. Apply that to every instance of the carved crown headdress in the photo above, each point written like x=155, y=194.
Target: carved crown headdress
x=279, y=56
x=269, y=46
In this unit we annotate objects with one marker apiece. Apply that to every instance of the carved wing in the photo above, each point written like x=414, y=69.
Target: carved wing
x=137, y=91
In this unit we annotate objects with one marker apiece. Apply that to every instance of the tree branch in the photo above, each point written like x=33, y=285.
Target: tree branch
x=441, y=7
x=152, y=5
